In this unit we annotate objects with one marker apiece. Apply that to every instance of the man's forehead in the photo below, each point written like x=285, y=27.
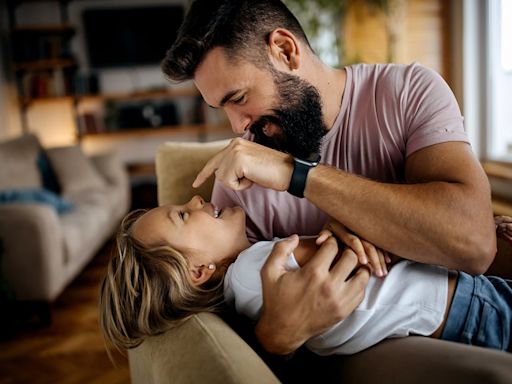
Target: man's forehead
x=217, y=75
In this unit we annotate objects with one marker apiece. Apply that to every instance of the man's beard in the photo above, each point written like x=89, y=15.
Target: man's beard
x=299, y=117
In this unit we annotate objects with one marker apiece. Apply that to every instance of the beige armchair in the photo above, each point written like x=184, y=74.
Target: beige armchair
x=206, y=350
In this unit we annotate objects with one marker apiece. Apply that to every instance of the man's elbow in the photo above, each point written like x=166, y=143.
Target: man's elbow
x=479, y=254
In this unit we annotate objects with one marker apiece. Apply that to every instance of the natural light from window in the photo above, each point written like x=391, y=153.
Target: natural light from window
x=500, y=74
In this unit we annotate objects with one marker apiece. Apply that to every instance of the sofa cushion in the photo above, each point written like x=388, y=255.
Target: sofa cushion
x=38, y=195
x=74, y=170
x=18, y=159
x=88, y=222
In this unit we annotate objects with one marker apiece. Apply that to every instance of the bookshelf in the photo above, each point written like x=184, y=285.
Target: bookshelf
x=48, y=71
x=42, y=61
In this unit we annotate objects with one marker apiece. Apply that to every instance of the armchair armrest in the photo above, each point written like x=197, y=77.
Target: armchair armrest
x=32, y=259
x=202, y=350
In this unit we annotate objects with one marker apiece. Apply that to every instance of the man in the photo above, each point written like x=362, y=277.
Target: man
x=395, y=165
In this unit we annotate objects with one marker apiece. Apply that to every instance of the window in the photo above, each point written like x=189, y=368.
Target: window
x=499, y=146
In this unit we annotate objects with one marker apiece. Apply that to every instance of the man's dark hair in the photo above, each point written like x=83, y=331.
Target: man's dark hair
x=241, y=27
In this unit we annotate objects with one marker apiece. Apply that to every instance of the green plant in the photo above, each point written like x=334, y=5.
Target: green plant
x=323, y=17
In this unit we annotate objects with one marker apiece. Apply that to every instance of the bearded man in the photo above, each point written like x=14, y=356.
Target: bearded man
x=379, y=148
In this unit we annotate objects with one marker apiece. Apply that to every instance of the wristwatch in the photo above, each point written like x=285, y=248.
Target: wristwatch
x=301, y=169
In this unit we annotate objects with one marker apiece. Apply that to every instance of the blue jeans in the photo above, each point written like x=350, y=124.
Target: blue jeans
x=481, y=312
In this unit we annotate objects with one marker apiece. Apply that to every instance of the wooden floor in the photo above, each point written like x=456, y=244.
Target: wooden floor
x=71, y=349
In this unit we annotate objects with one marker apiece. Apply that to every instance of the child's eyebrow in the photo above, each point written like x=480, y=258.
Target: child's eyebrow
x=171, y=216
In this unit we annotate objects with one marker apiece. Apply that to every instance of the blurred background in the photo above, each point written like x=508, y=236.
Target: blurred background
x=86, y=73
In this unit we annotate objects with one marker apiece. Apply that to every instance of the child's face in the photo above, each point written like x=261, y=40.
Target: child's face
x=193, y=228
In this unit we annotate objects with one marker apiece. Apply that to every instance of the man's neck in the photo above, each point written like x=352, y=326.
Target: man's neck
x=330, y=82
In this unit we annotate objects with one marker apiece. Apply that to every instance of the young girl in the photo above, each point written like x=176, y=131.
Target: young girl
x=174, y=261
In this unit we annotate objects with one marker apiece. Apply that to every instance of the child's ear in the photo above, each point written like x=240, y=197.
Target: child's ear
x=201, y=274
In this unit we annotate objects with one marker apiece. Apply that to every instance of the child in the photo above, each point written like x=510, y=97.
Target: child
x=174, y=261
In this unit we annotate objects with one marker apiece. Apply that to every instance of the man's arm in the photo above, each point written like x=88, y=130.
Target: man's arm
x=443, y=216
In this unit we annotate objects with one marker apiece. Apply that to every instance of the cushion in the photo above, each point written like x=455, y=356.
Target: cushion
x=18, y=163
x=75, y=172
x=48, y=176
x=44, y=196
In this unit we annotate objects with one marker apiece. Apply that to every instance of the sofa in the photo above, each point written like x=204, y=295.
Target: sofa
x=207, y=349
x=57, y=209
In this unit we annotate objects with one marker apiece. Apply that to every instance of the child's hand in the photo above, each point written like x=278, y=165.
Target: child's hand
x=366, y=252
x=504, y=227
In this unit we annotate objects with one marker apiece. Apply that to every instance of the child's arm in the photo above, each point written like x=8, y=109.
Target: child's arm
x=504, y=227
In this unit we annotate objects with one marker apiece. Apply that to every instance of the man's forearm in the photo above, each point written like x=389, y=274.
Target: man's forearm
x=275, y=342
x=441, y=223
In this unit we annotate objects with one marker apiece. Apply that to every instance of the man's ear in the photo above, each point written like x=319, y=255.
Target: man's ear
x=201, y=274
x=284, y=49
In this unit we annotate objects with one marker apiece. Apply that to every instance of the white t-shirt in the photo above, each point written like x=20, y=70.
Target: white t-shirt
x=411, y=299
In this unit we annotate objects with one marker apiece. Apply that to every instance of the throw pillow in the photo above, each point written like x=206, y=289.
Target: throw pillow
x=74, y=170
x=43, y=196
x=48, y=176
x=18, y=163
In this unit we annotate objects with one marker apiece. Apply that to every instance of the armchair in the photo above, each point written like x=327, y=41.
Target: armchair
x=206, y=349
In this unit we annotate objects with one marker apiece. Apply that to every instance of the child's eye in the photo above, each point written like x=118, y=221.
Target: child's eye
x=182, y=215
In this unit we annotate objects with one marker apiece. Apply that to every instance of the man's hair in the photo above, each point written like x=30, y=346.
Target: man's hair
x=147, y=290
x=241, y=27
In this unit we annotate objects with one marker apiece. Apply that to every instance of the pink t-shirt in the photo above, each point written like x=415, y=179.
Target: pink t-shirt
x=388, y=112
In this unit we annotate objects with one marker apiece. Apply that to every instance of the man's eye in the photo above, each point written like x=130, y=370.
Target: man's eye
x=239, y=100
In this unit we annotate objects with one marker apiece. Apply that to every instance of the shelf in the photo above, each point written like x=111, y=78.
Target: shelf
x=44, y=28
x=43, y=65
x=156, y=94
x=129, y=96
x=192, y=129
x=500, y=170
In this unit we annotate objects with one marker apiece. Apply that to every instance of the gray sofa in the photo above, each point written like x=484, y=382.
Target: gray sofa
x=44, y=250
x=205, y=349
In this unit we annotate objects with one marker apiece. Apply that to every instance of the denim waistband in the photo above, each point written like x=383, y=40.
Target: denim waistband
x=460, y=306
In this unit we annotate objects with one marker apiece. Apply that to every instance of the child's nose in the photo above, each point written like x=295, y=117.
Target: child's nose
x=196, y=202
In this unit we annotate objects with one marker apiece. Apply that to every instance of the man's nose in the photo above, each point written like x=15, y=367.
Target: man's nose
x=239, y=121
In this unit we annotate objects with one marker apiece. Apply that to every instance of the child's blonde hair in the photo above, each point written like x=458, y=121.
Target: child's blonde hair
x=147, y=290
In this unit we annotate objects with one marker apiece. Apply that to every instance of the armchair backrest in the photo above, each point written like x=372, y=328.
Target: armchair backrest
x=177, y=165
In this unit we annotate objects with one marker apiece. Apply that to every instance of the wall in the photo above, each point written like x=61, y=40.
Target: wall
x=412, y=31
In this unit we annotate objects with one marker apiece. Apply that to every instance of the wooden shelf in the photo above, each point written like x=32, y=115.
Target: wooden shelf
x=192, y=129
x=47, y=64
x=156, y=94
x=45, y=28
x=500, y=170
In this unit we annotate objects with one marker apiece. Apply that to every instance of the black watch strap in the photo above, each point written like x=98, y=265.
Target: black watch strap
x=301, y=169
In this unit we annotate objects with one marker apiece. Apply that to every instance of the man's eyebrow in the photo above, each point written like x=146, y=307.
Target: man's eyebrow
x=228, y=96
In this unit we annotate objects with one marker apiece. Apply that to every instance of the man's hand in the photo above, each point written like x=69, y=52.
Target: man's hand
x=366, y=252
x=303, y=303
x=243, y=163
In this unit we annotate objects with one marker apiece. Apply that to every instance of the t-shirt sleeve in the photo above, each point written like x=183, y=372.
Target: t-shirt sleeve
x=432, y=115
